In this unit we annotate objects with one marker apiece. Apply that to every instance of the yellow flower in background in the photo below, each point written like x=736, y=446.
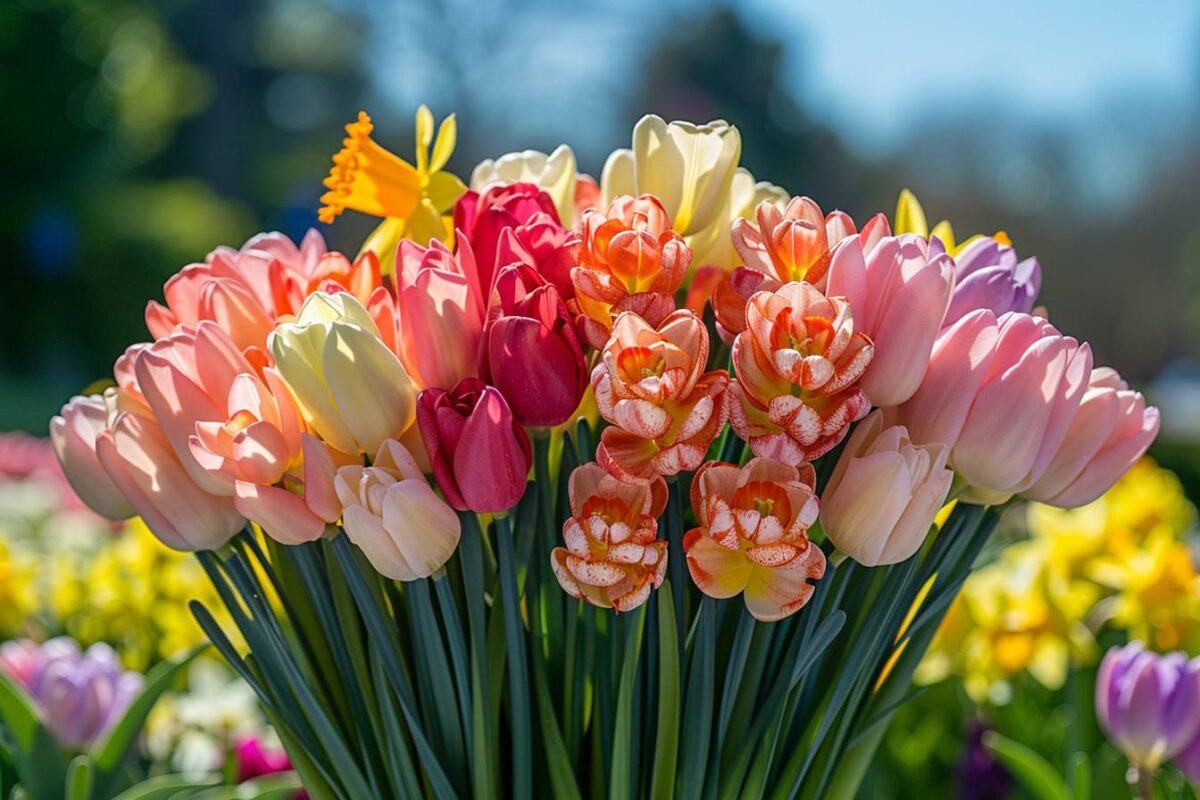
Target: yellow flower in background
x=1158, y=595
x=415, y=201
x=16, y=575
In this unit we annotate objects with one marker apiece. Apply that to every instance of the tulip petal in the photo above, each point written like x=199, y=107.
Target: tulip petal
x=282, y=515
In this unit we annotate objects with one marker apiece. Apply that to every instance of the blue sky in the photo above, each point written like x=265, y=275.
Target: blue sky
x=868, y=66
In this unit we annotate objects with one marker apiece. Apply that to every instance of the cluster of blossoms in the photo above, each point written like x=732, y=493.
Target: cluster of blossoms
x=306, y=392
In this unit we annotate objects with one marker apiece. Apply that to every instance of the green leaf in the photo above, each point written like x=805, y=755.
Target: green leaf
x=558, y=763
x=109, y=753
x=81, y=774
x=666, y=741
x=515, y=655
x=1032, y=771
x=164, y=787
x=269, y=787
x=697, y=721
x=18, y=715
x=621, y=783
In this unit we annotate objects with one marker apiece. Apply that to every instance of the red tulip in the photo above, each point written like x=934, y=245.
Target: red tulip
x=481, y=219
x=480, y=455
x=530, y=349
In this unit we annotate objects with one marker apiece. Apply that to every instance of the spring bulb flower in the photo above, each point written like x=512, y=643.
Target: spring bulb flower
x=1108, y=435
x=482, y=219
x=554, y=173
x=651, y=385
x=898, y=293
x=629, y=260
x=530, y=349
x=479, y=454
x=798, y=364
x=988, y=275
x=73, y=433
x=298, y=507
x=389, y=510
x=884, y=493
x=349, y=387
x=613, y=557
x=79, y=694
x=1148, y=704
x=413, y=200
x=752, y=537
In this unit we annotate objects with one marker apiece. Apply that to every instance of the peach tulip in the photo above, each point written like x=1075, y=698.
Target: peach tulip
x=144, y=466
x=884, y=493
x=629, y=260
x=613, y=558
x=349, y=387
x=664, y=408
x=1111, y=431
x=798, y=365
x=899, y=293
x=389, y=510
x=297, y=507
x=752, y=537
x=73, y=434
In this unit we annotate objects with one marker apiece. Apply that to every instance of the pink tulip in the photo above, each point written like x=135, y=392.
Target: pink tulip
x=899, y=294
x=480, y=455
x=530, y=350
x=74, y=433
x=143, y=465
x=438, y=316
x=304, y=501
x=884, y=493
x=481, y=219
x=389, y=510
x=1001, y=393
x=1111, y=431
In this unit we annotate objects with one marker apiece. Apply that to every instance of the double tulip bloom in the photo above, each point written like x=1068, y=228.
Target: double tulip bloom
x=629, y=260
x=613, y=557
x=752, y=537
x=884, y=493
x=664, y=408
x=798, y=365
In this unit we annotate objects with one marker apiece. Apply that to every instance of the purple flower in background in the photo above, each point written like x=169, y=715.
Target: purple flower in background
x=79, y=694
x=1188, y=761
x=988, y=275
x=981, y=776
x=1148, y=704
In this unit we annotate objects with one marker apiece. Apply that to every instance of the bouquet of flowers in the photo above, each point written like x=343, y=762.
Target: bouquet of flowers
x=663, y=413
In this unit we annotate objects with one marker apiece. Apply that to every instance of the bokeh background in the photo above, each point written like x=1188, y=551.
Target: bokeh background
x=140, y=134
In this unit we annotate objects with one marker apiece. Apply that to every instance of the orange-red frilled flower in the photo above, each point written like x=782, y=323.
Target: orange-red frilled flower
x=790, y=244
x=664, y=408
x=630, y=260
x=753, y=535
x=798, y=364
x=613, y=557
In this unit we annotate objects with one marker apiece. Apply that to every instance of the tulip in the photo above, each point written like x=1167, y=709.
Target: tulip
x=349, y=387
x=988, y=275
x=798, y=364
x=1148, y=704
x=713, y=247
x=884, y=493
x=389, y=510
x=752, y=537
x=79, y=695
x=73, y=434
x=629, y=260
x=144, y=466
x=898, y=294
x=481, y=219
x=479, y=454
x=613, y=557
x=689, y=168
x=664, y=408
x=554, y=174
x=438, y=313
x=1108, y=435
x=530, y=350
x=303, y=502
x=544, y=245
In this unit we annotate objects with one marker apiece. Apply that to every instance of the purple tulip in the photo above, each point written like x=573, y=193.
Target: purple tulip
x=1148, y=704
x=988, y=275
x=79, y=694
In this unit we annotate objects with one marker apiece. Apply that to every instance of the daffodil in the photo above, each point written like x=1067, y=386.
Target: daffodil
x=414, y=201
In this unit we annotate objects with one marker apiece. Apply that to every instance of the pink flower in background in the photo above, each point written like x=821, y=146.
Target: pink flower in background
x=898, y=293
x=255, y=760
x=798, y=364
x=530, y=350
x=1112, y=430
x=884, y=493
x=480, y=455
x=752, y=537
x=613, y=557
